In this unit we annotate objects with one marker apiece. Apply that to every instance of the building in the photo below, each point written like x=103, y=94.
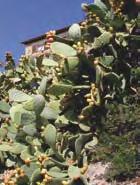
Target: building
x=37, y=44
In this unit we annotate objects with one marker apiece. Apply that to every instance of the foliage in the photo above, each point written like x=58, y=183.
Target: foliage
x=75, y=103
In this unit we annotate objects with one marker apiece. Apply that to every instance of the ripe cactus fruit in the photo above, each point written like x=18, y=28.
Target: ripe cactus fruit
x=27, y=161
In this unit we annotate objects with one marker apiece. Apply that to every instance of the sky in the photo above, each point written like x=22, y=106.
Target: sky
x=24, y=19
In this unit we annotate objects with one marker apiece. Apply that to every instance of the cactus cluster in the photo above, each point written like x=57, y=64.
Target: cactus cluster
x=59, y=110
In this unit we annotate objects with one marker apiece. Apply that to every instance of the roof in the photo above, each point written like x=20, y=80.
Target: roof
x=41, y=37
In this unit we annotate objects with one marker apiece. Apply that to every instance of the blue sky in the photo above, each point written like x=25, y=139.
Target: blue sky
x=24, y=19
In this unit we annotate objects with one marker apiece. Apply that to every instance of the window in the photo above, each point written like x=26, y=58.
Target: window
x=39, y=46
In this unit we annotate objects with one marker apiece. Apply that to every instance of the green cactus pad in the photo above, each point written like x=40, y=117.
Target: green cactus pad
x=63, y=49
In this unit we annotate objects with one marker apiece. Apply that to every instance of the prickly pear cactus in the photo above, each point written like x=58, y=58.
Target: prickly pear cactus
x=76, y=103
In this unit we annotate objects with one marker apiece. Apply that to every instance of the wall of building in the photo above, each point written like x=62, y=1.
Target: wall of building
x=38, y=46
x=34, y=47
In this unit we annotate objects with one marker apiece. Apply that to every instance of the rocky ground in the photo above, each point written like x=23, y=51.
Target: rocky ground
x=96, y=173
